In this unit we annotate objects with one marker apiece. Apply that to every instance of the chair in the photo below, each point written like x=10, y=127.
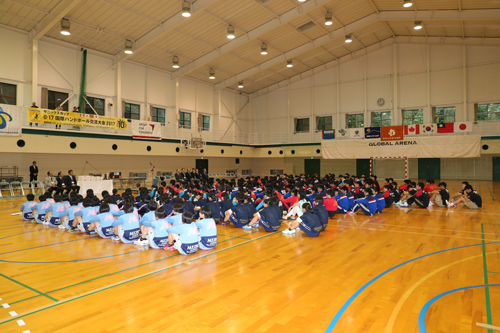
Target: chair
x=16, y=186
x=5, y=186
x=26, y=186
x=40, y=184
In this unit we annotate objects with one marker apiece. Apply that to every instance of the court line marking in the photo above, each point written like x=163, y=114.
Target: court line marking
x=494, y=272
x=36, y=247
x=490, y=191
x=410, y=210
x=113, y=273
x=15, y=206
x=403, y=226
x=126, y=281
x=27, y=232
x=450, y=217
x=487, y=289
x=423, y=312
x=344, y=307
x=28, y=287
x=395, y=312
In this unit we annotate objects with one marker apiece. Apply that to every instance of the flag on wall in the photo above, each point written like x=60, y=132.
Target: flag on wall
x=357, y=133
x=428, y=129
x=10, y=120
x=391, y=133
x=341, y=133
x=372, y=132
x=412, y=129
x=463, y=127
x=328, y=134
x=445, y=127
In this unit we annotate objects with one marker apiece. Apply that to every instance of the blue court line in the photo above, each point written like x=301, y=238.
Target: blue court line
x=36, y=247
x=19, y=226
x=9, y=208
x=421, y=316
x=76, y=260
x=10, y=225
x=20, y=233
x=366, y=285
x=410, y=210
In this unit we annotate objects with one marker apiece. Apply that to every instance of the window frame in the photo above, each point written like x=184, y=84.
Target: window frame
x=130, y=111
x=382, y=119
x=157, y=118
x=182, y=122
x=357, y=122
x=488, y=112
x=413, y=117
x=88, y=110
x=443, y=116
x=324, y=123
x=203, y=118
x=301, y=121
x=64, y=106
x=8, y=96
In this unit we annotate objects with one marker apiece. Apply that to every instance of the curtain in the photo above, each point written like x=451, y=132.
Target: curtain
x=200, y=123
x=45, y=98
x=475, y=112
x=346, y=121
x=433, y=114
x=294, y=125
x=317, y=123
x=150, y=113
x=403, y=116
x=123, y=109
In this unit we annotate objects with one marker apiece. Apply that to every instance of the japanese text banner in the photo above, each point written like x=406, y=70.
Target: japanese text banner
x=56, y=117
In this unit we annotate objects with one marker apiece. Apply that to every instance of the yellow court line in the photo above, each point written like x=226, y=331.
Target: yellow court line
x=406, y=295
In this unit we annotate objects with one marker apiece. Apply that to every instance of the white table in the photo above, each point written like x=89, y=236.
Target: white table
x=97, y=185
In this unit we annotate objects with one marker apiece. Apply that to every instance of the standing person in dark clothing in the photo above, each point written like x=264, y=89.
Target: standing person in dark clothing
x=33, y=172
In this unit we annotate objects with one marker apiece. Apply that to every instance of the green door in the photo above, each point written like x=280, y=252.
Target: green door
x=312, y=166
x=496, y=168
x=429, y=168
x=201, y=164
x=363, y=167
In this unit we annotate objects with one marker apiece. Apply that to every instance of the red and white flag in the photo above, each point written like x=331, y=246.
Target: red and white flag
x=463, y=126
x=412, y=129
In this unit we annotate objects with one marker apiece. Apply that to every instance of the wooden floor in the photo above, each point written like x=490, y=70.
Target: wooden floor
x=361, y=275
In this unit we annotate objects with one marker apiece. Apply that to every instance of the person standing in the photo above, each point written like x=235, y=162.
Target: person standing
x=33, y=172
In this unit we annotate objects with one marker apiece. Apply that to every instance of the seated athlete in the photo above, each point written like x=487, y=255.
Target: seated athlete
x=388, y=195
x=102, y=223
x=214, y=206
x=342, y=201
x=54, y=212
x=432, y=191
x=150, y=215
x=330, y=203
x=442, y=198
x=68, y=216
x=268, y=217
x=127, y=226
x=309, y=223
x=26, y=208
x=320, y=211
x=368, y=204
x=238, y=214
x=380, y=200
x=83, y=216
x=184, y=238
x=40, y=209
x=296, y=208
x=471, y=199
x=459, y=194
x=420, y=198
x=176, y=218
x=154, y=232
x=407, y=193
x=208, y=229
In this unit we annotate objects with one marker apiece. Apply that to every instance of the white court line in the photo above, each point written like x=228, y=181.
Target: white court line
x=400, y=226
x=28, y=331
x=6, y=305
x=21, y=322
x=13, y=313
x=421, y=233
x=488, y=326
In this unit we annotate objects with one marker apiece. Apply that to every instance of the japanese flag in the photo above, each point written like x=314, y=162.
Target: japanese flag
x=463, y=127
x=412, y=129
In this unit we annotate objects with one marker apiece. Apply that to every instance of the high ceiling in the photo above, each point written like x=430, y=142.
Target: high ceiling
x=292, y=30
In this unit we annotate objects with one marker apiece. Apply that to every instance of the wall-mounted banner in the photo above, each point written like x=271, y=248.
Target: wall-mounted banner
x=342, y=133
x=10, y=120
x=391, y=133
x=416, y=147
x=357, y=133
x=372, y=132
x=328, y=134
x=75, y=119
x=146, y=130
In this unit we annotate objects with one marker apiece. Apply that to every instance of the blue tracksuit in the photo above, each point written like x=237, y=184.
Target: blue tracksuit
x=342, y=202
x=368, y=205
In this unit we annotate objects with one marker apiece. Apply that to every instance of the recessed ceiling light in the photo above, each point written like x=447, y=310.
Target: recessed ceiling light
x=212, y=74
x=186, y=9
x=418, y=25
x=348, y=38
x=65, y=27
x=407, y=3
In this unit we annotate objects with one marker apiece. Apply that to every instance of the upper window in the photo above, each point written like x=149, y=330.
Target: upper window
x=185, y=120
x=55, y=98
x=132, y=111
x=8, y=93
x=324, y=123
x=413, y=117
x=206, y=123
x=445, y=115
x=381, y=119
x=97, y=104
x=302, y=125
x=158, y=115
x=355, y=121
x=487, y=112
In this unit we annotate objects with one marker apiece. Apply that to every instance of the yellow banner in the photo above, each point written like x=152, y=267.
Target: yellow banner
x=56, y=117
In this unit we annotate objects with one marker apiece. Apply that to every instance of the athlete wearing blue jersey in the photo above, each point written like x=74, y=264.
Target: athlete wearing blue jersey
x=268, y=218
x=176, y=218
x=350, y=197
x=320, y=211
x=83, y=216
x=368, y=204
x=342, y=201
x=26, y=208
x=208, y=229
x=154, y=232
x=127, y=226
x=308, y=223
x=68, y=216
x=54, y=212
x=380, y=200
x=184, y=238
x=102, y=223
x=150, y=215
x=214, y=207
x=225, y=204
x=40, y=209
x=238, y=214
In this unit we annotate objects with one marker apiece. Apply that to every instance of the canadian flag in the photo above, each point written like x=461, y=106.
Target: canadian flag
x=463, y=127
x=412, y=129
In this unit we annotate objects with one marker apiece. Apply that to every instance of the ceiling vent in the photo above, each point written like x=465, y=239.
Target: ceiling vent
x=306, y=26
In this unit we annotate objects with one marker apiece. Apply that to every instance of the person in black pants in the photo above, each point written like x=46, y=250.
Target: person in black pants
x=71, y=183
x=61, y=184
x=33, y=172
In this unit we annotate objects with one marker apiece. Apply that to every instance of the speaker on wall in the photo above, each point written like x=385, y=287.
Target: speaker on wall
x=237, y=161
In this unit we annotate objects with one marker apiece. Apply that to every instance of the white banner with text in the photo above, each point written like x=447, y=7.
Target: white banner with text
x=146, y=130
x=10, y=120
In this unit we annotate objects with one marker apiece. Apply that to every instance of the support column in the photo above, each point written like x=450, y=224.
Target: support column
x=395, y=102
x=34, y=72
x=177, y=114
x=147, y=114
x=338, y=95
x=464, y=78
x=428, y=115
x=118, y=89
x=366, y=91
x=289, y=127
x=313, y=114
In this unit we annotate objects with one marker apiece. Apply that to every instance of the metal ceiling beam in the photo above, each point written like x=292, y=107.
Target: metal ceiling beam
x=166, y=27
x=250, y=35
x=30, y=6
x=53, y=18
x=350, y=28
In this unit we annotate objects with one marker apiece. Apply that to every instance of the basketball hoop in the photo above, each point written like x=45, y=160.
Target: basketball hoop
x=197, y=143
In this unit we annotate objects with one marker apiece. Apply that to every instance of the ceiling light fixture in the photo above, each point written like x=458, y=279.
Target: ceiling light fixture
x=65, y=27
x=128, y=47
x=407, y=3
x=186, y=9
x=212, y=74
x=230, y=32
x=240, y=84
x=348, y=38
x=175, y=62
x=418, y=25
x=263, y=49
x=289, y=63
x=328, y=18
x=302, y=0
